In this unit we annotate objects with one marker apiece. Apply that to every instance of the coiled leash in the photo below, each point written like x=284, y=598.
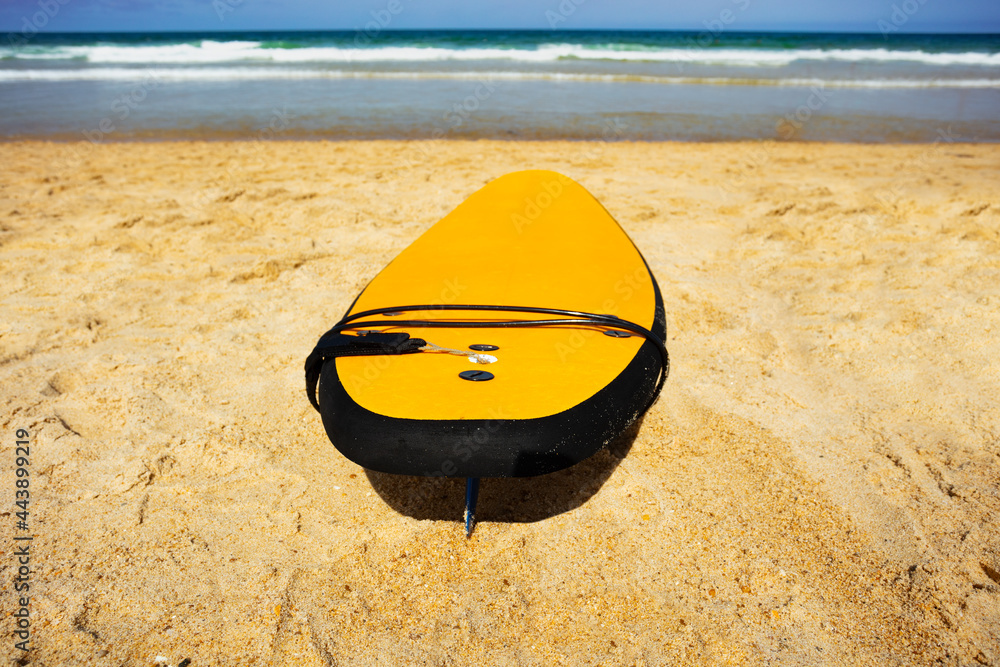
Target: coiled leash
x=335, y=344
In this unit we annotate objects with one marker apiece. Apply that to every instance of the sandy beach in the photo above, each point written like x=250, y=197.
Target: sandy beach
x=817, y=484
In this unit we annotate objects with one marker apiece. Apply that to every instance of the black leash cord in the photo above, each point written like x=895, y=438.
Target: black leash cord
x=583, y=318
x=569, y=317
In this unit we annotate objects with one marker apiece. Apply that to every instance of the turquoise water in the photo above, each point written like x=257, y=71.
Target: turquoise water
x=716, y=84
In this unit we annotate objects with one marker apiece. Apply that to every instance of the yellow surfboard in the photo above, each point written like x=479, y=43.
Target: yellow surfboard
x=516, y=337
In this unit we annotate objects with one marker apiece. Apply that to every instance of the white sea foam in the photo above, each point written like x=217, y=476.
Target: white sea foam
x=223, y=74
x=209, y=52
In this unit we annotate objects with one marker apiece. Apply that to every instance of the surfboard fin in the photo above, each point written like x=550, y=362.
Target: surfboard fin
x=471, y=497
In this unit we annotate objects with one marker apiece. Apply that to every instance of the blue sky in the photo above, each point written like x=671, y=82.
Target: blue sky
x=792, y=15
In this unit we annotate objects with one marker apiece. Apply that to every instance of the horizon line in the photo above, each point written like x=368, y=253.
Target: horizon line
x=539, y=30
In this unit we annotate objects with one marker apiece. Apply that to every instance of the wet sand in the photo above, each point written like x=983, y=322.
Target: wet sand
x=817, y=484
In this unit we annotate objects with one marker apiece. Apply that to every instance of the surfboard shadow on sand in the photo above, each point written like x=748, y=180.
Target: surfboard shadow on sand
x=505, y=499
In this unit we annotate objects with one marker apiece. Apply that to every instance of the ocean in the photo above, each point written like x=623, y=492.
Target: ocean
x=717, y=84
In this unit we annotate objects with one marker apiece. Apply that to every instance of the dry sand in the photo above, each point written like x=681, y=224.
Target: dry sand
x=817, y=485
